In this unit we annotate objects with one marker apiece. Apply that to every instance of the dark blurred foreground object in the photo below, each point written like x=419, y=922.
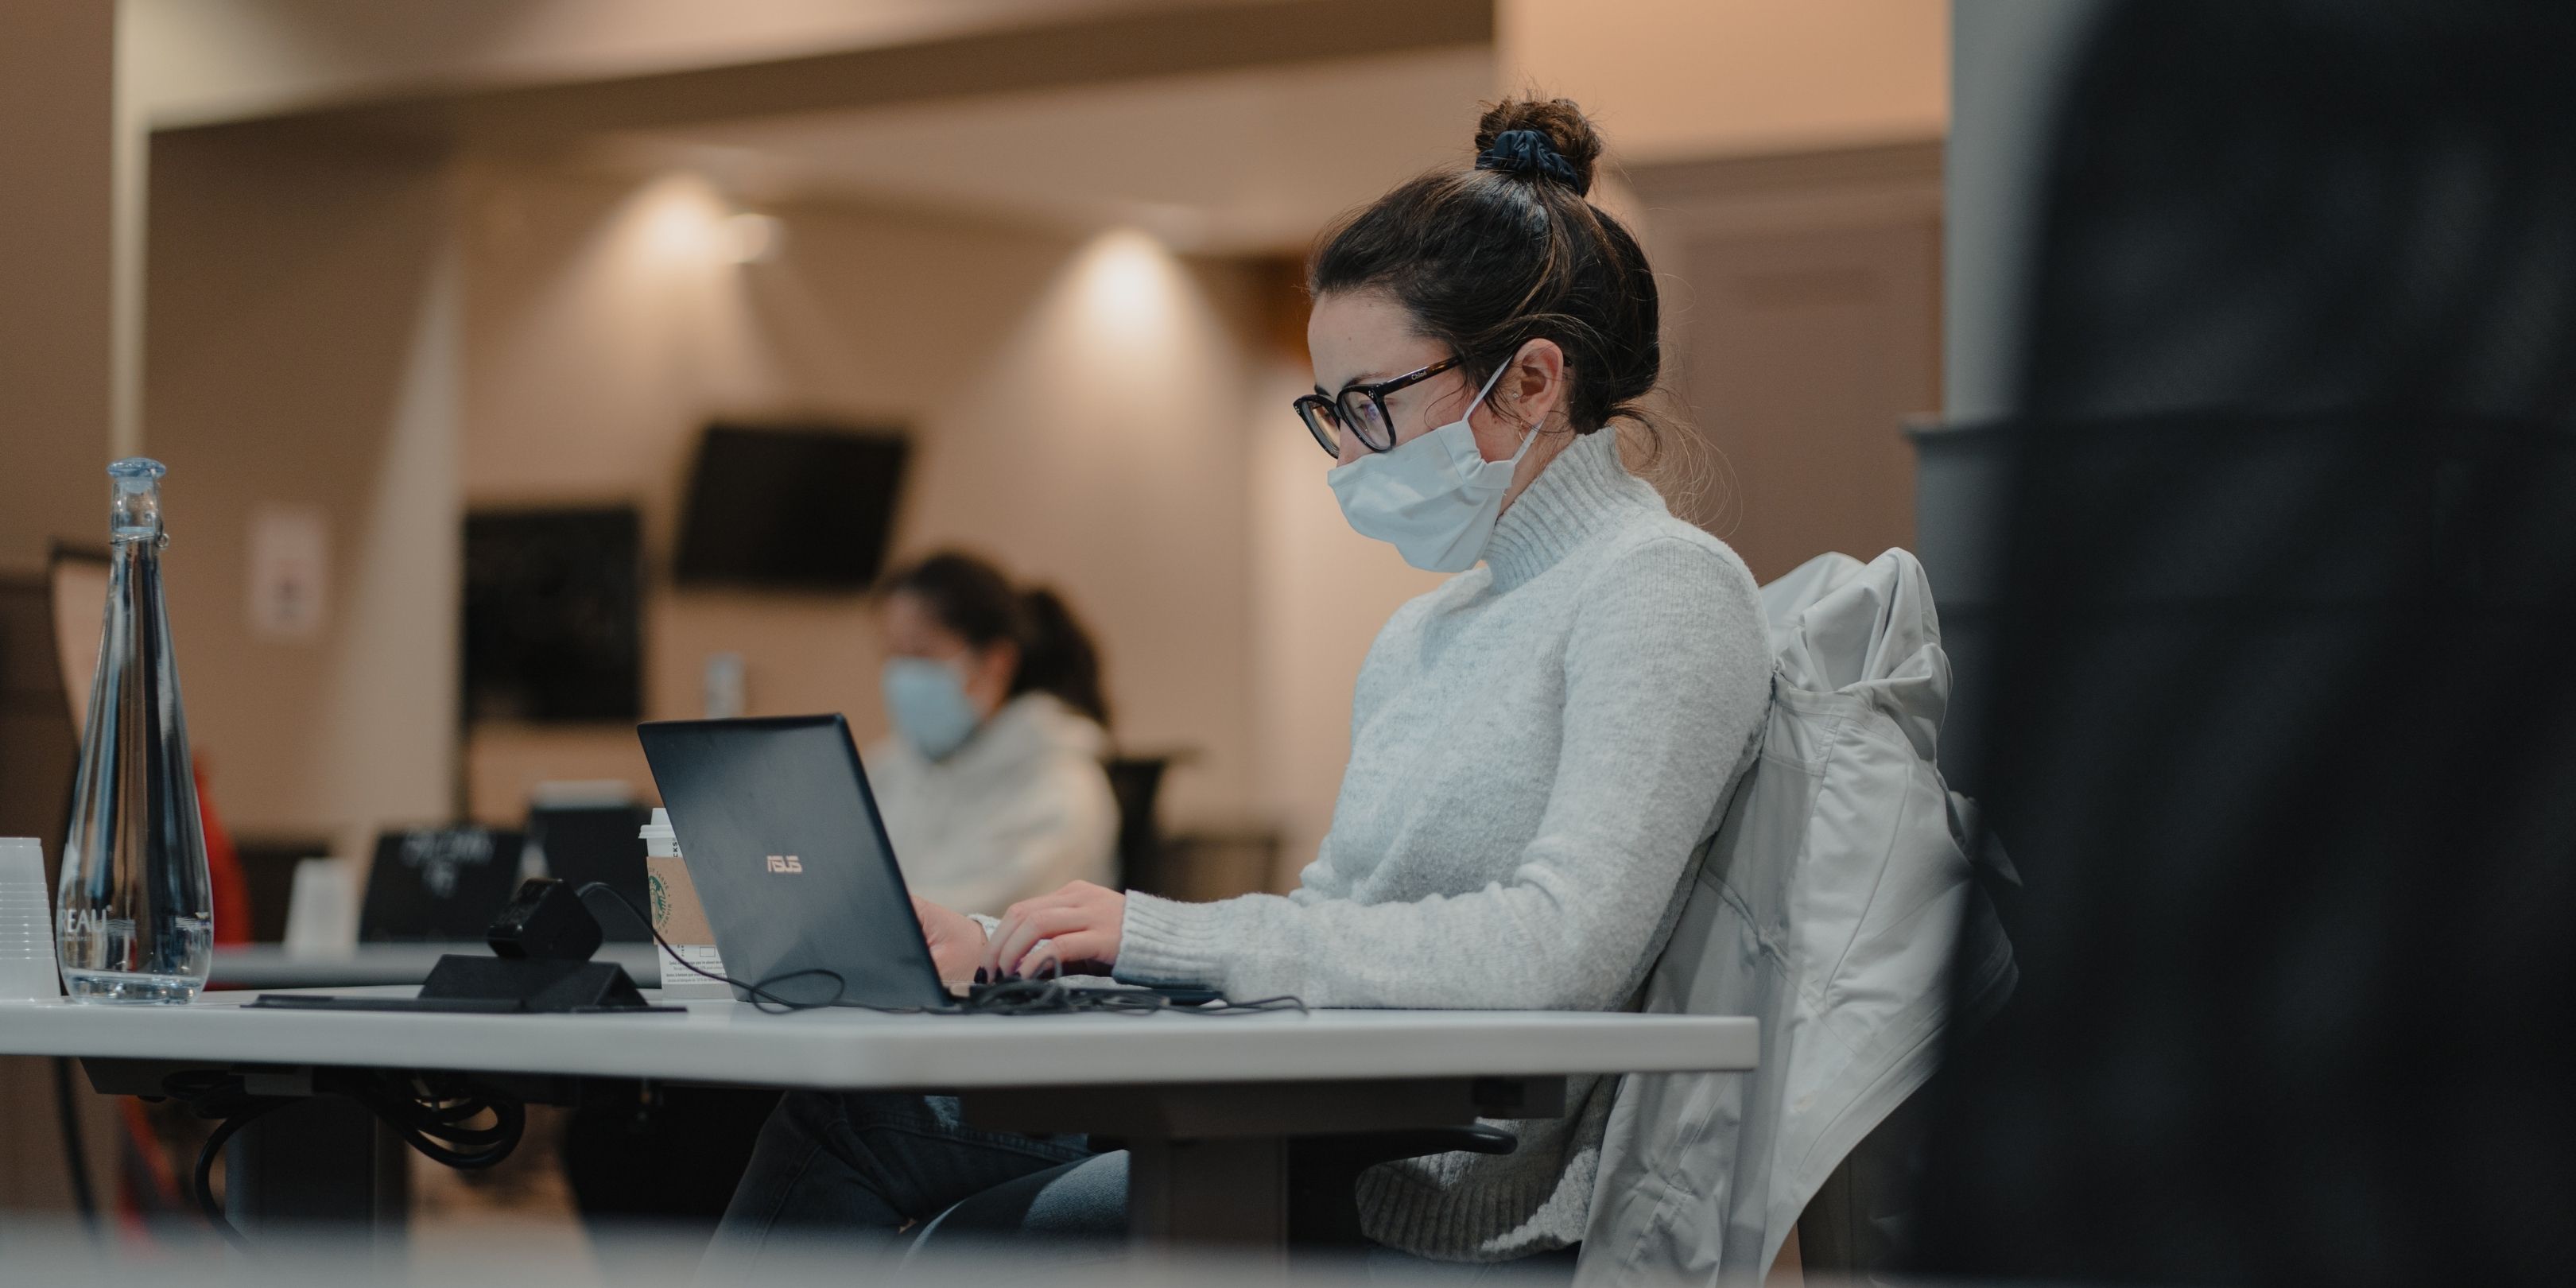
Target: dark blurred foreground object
x=2285, y=739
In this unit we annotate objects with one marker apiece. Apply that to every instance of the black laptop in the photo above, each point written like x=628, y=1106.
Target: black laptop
x=790, y=858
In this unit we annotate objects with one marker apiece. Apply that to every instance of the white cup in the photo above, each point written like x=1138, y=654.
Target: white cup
x=322, y=909
x=27, y=965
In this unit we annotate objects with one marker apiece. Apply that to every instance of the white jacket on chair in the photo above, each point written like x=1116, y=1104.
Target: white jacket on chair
x=1827, y=905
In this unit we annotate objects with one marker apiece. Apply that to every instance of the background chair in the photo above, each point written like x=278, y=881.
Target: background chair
x=1137, y=782
x=39, y=741
x=1324, y=1172
x=2284, y=742
x=438, y=884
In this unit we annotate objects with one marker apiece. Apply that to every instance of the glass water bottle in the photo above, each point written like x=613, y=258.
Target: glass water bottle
x=137, y=909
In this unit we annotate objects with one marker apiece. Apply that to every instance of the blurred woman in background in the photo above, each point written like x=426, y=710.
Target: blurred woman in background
x=991, y=783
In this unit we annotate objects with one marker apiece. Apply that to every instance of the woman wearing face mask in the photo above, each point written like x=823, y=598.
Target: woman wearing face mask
x=990, y=784
x=1536, y=746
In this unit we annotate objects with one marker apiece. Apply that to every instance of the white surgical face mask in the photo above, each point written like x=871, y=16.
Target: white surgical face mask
x=1435, y=498
x=929, y=705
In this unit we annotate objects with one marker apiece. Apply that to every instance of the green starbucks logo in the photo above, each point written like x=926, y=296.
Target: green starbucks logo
x=661, y=900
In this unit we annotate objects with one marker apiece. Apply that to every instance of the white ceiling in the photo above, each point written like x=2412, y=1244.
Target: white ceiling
x=1237, y=161
x=201, y=62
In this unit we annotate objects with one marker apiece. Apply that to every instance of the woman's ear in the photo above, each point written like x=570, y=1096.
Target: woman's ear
x=1533, y=388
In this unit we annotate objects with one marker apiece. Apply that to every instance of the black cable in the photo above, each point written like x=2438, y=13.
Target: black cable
x=430, y=1117
x=75, y=1152
x=761, y=998
x=1040, y=995
x=205, y=1173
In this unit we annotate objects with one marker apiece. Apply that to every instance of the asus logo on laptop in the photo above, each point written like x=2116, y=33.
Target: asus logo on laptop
x=785, y=863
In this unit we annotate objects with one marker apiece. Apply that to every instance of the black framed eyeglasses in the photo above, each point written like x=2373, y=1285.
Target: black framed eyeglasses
x=1362, y=410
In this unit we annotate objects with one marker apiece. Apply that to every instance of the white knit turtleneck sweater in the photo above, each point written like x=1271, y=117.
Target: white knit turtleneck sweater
x=1536, y=747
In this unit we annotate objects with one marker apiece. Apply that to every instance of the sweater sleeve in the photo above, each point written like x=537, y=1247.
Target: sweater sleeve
x=1667, y=672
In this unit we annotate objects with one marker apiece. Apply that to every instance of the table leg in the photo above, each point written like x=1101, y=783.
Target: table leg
x=1232, y=1192
x=322, y=1160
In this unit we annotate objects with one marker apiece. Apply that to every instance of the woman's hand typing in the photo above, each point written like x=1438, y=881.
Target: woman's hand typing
x=956, y=940
x=1075, y=926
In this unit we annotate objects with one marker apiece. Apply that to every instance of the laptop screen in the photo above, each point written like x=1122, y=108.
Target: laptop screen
x=783, y=841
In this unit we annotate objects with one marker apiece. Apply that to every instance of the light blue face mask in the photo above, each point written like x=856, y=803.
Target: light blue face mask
x=1435, y=499
x=929, y=705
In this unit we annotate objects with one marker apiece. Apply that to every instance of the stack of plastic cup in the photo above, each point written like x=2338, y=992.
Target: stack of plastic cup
x=27, y=966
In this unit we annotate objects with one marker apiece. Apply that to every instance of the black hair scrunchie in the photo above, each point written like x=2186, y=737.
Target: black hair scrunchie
x=1529, y=152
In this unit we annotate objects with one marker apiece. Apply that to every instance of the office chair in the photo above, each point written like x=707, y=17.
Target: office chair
x=1137, y=783
x=39, y=734
x=438, y=884
x=1324, y=1173
x=2284, y=739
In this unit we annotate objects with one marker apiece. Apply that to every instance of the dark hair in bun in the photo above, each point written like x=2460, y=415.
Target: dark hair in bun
x=1492, y=257
x=1525, y=135
x=974, y=598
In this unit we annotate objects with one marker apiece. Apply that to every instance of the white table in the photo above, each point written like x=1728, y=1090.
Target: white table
x=1206, y=1103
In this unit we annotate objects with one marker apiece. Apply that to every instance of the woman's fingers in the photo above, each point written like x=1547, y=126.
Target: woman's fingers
x=1078, y=906
x=1020, y=936
x=1018, y=915
x=1013, y=918
x=991, y=956
x=1033, y=930
x=1062, y=954
x=1084, y=947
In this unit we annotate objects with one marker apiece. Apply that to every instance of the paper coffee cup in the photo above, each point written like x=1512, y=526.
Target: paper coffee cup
x=679, y=918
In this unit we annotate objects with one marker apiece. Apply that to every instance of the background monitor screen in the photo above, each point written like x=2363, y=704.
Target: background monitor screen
x=791, y=507
x=552, y=614
x=439, y=884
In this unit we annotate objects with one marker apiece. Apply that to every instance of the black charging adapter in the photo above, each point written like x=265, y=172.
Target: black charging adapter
x=544, y=921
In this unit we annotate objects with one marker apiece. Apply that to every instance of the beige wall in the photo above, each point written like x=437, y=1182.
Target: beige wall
x=1077, y=407
x=1091, y=414
x=57, y=125
x=1685, y=79
x=302, y=351
x=57, y=61
x=1322, y=593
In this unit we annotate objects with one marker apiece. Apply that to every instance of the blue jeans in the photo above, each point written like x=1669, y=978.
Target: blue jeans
x=868, y=1171
x=874, y=1172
